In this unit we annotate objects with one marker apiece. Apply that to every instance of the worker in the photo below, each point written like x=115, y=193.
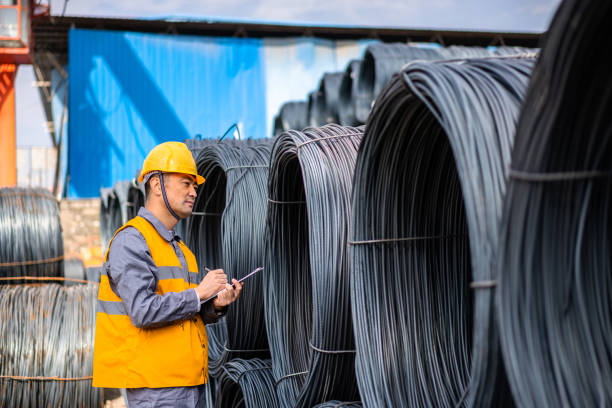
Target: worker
x=150, y=335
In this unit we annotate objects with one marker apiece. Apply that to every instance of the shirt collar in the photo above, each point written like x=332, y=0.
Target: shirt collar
x=159, y=226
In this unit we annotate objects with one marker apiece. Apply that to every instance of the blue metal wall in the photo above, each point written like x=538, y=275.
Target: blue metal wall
x=131, y=91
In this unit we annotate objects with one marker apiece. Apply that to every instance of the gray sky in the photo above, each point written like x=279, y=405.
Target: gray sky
x=495, y=15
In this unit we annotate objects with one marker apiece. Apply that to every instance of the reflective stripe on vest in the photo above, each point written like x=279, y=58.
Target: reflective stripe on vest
x=175, y=355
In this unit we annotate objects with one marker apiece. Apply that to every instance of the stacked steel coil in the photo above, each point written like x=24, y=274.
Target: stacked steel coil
x=135, y=199
x=307, y=304
x=31, y=242
x=292, y=115
x=330, y=91
x=348, y=88
x=226, y=230
x=246, y=383
x=429, y=183
x=554, y=292
x=46, y=347
x=105, y=232
x=316, y=108
x=380, y=62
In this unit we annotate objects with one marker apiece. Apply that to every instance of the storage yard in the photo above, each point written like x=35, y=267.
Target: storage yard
x=431, y=210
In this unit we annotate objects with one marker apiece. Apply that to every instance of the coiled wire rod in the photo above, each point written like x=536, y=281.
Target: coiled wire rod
x=307, y=303
x=429, y=183
x=247, y=383
x=227, y=231
x=292, y=115
x=380, y=62
x=46, y=347
x=348, y=89
x=555, y=289
x=31, y=242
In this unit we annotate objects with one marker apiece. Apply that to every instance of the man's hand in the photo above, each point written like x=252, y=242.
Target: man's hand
x=213, y=282
x=229, y=295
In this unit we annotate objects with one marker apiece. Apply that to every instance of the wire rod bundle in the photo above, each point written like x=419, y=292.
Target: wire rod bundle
x=380, y=62
x=316, y=108
x=457, y=51
x=555, y=272
x=348, y=88
x=509, y=51
x=105, y=232
x=340, y=404
x=31, y=242
x=226, y=231
x=247, y=383
x=135, y=198
x=429, y=183
x=46, y=347
x=330, y=90
x=307, y=302
x=292, y=115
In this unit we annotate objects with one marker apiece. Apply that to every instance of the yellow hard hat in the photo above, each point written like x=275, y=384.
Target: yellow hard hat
x=170, y=157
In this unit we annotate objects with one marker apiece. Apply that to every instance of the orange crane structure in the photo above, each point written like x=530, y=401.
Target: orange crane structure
x=15, y=48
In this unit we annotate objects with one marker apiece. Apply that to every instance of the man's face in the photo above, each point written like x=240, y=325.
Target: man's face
x=181, y=191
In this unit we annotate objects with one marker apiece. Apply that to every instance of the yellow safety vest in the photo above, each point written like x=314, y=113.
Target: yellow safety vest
x=125, y=356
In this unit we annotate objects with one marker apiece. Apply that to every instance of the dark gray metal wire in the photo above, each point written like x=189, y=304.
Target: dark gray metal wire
x=555, y=289
x=348, y=89
x=228, y=232
x=316, y=109
x=31, y=242
x=307, y=302
x=340, y=404
x=330, y=89
x=105, y=232
x=380, y=62
x=292, y=115
x=47, y=331
x=135, y=198
x=429, y=183
x=247, y=383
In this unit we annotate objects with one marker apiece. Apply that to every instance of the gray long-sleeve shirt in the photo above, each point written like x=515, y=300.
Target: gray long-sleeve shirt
x=133, y=276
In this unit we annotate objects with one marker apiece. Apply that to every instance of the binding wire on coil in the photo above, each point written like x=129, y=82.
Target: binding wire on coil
x=429, y=183
x=555, y=291
x=46, y=347
x=31, y=242
x=247, y=383
x=226, y=230
x=307, y=304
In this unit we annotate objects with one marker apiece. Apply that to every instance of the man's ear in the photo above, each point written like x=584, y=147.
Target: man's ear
x=155, y=185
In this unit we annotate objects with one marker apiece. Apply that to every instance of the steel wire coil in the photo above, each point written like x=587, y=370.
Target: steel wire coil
x=348, y=89
x=31, y=242
x=227, y=231
x=509, y=51
x=458, y=51
x=555, y=291
x=330, y=90
x=340, y=404
x=316, y=109
x=429, y=183
x=47, y=331
x=135, y=198
x=105, y=233
x=307, y=305
x=292, y=115
x=380, y=62
x=247, y=383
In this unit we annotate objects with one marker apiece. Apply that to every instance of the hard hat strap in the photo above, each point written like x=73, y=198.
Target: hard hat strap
x=163, y=189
